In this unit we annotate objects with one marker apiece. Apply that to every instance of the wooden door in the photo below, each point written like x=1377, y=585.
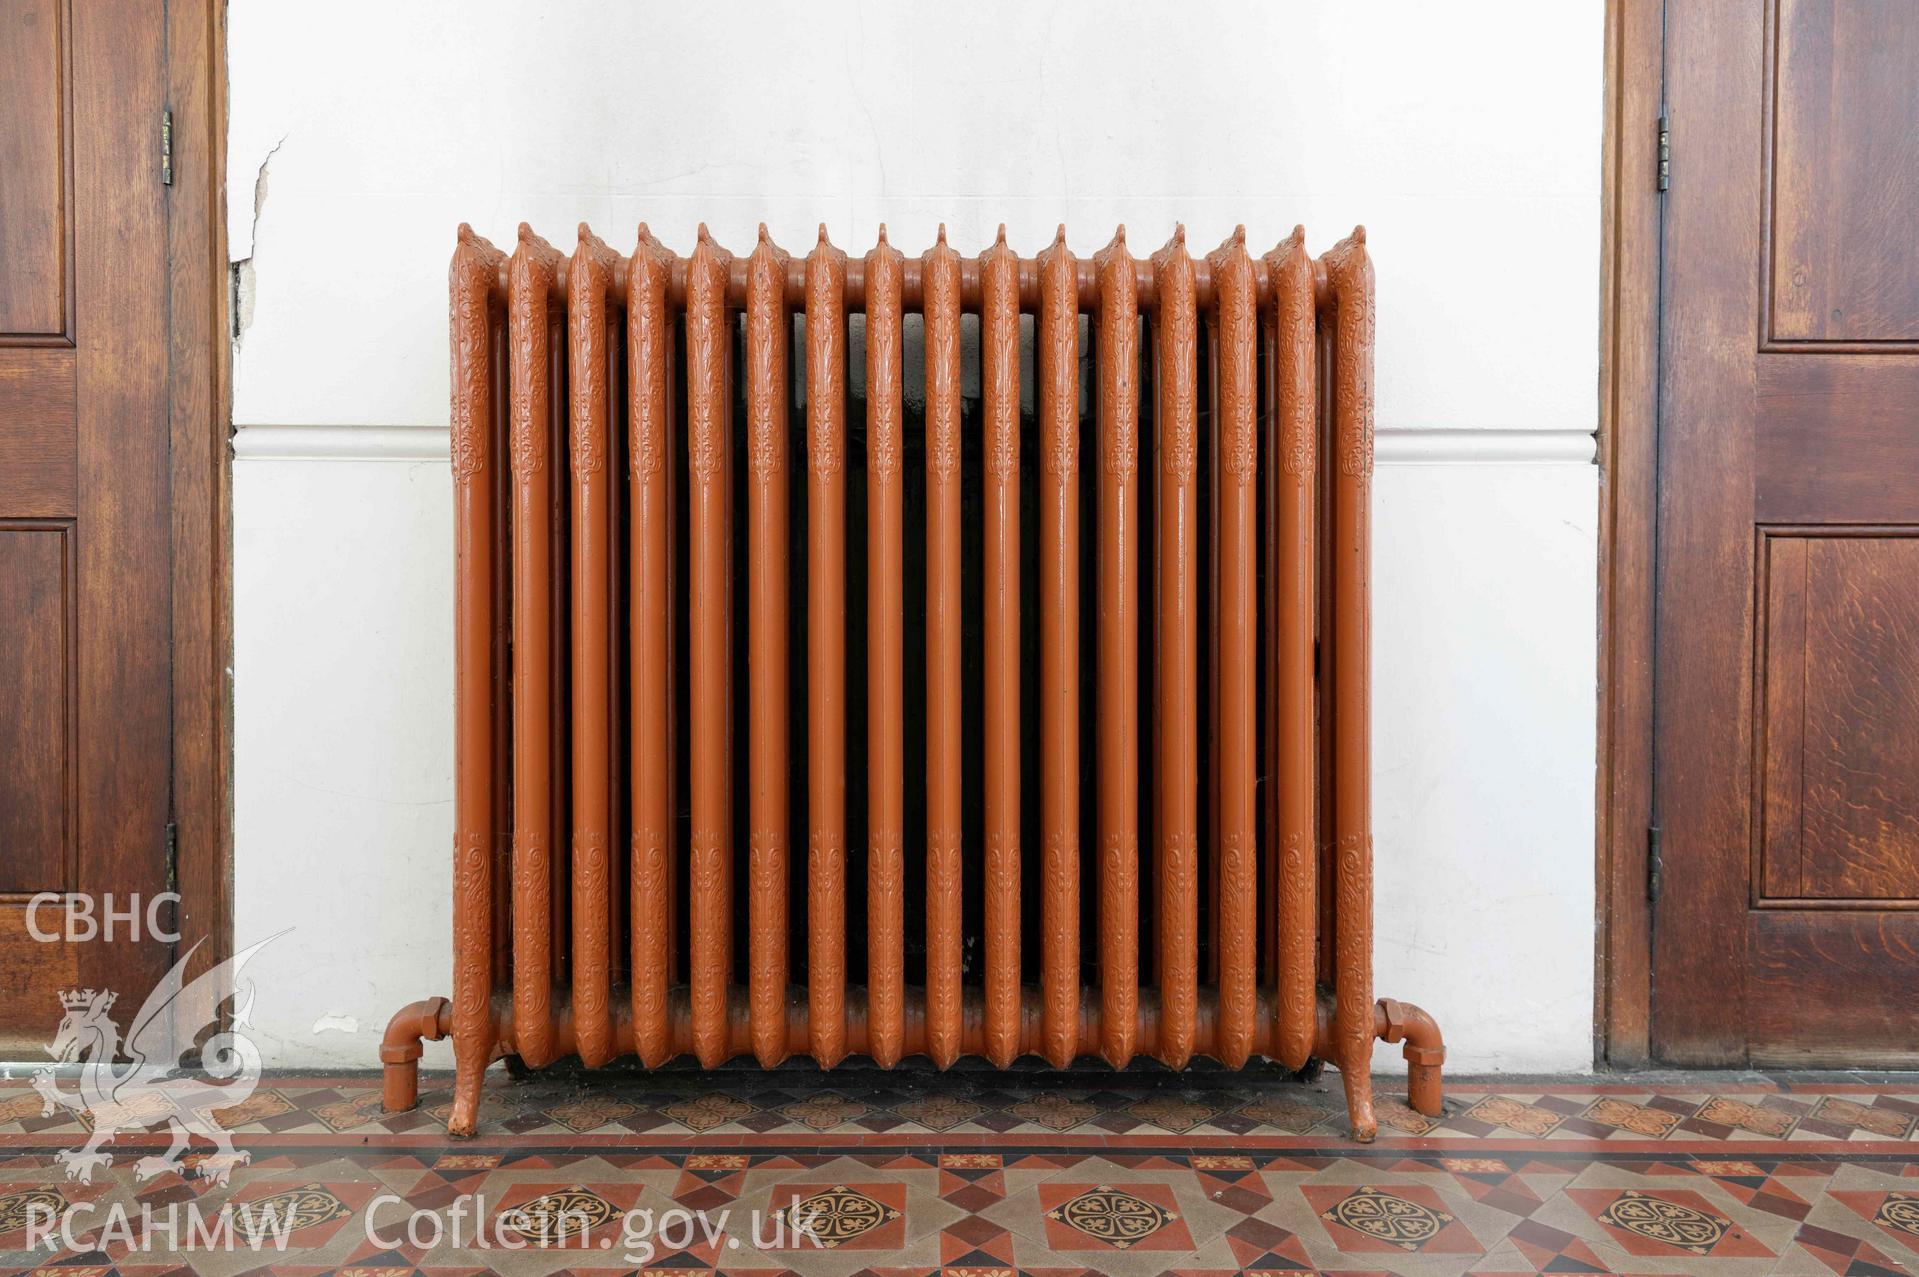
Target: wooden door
x=1786, y=702
x=85, y=566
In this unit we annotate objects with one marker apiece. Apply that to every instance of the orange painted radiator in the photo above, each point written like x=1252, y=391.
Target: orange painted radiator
x=841, y=671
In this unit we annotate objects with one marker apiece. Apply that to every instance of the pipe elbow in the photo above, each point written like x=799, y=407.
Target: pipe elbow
x=1395, y=1021
x=1425, y=1050
x=429, y=1019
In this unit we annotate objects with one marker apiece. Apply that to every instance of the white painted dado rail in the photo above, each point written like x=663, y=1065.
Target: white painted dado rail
x=1393, y=446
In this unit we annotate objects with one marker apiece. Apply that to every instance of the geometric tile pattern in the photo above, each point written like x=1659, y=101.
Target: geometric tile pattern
x=1369, y=1218
x=913, y=1174
x=1113, y=1217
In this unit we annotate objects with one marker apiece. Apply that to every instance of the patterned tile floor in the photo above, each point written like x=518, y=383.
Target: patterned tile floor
x=739, y=1172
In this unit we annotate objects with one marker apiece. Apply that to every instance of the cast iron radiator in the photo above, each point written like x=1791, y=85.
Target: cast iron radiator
x=1026, y=714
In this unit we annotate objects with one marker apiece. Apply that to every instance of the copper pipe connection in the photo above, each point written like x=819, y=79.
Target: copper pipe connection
x=826, y=647
x=1425, y=1050
x=430, y=1019
x=944, y=801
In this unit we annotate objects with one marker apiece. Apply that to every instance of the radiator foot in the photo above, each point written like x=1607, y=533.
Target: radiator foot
x=1425, y=1050
x=427, y=1019
x=1358, y=1079
x=468, y=1074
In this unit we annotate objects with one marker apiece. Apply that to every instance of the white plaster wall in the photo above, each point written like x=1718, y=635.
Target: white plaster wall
x=1465, y=137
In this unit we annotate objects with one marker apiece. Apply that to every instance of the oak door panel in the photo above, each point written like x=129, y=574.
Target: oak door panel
x=1845, y=171
x=36, y=633
x=39, y=448
x=1840, y=667
x=1820, y=994
x=34, y=280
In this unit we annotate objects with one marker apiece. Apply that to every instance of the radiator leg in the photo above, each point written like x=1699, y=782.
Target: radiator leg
x=1357, y=1076
x=468, y=1074
x=1425, y=1050
x=428, y=1019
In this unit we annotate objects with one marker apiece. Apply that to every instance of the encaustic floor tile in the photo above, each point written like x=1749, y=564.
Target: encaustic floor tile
x=973, y=1173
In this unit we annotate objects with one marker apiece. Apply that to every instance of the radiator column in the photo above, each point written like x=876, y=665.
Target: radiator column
x=709, y=635
x=999, y=387
x=1176, y=705
x=649, y=338
x=1236, y=678
x=1294, y=483
x=766, y=496
x=476, y=263
x=1057, y=340
x=530, y=321
x=1118, y=660
x=826, y=649
x=1350, y=274
x=940, y=273
x=885, y=616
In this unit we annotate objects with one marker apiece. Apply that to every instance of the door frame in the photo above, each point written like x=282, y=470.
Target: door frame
x=1628, y=526
x=199, y=410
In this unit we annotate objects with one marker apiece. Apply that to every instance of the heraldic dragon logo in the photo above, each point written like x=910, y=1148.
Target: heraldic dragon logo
x=136, y=1083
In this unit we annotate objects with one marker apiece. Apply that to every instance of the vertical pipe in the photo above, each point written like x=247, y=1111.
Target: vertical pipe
x=1118, y=650
x=529, y=323
x=475, y=265
x=826, y=649
x=1058, y=349
x=766, y=334
x=1236, y=326
x=1349, y=271
x=940, y=272
x=1295, y=834
x=1177, y=622
x=999, y=377
x=649, y=342
x=590, y=276
x=708, y=342
x=885, y=614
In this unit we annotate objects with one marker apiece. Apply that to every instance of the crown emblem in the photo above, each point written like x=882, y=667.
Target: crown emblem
x=81, y=999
